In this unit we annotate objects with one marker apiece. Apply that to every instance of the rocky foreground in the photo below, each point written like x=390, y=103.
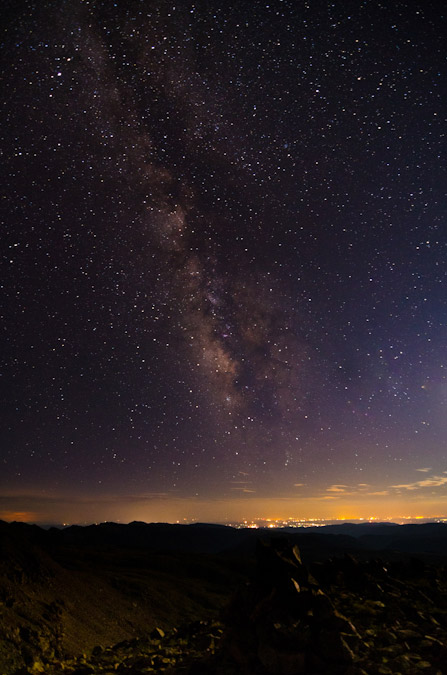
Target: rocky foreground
x=342, y=616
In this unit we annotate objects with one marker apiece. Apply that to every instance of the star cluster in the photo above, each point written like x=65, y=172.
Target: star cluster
x=225, y=254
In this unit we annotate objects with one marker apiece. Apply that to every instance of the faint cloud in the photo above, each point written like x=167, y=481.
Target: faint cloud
x=434, y=481
x=151, y=495
x=244, y=490
x=242, y=486
x=405, y=486
x=361, y=490
x=299, y=484
x=337, y=488
x=425, y=470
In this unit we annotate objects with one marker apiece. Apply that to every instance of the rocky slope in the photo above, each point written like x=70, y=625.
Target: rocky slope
x=339, y=617
x=84, y=607
x=59, y=598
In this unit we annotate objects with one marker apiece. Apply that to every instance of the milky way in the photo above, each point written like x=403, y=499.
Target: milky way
x=226, y=256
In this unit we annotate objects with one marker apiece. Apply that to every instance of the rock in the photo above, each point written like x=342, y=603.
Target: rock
x=279, y=563
x=339, y=622
x=403, y=662
x=157, y=634
x=322, y=606
x=392, y=651
x=408, y=635
x=278, y=662
x=354, y=642
x=387, y=637
x=332, y=647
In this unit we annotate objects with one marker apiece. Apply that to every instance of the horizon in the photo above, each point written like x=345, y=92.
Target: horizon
x=255, y=523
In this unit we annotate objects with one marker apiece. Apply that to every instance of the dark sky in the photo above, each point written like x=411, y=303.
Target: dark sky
x=224, y=267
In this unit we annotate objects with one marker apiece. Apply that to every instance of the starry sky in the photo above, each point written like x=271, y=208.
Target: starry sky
x=224, y=260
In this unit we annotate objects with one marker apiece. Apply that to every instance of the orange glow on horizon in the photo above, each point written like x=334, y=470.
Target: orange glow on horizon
x=19, y=516
x=69, y=509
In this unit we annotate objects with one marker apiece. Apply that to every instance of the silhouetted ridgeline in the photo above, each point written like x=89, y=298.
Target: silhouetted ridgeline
x=351, y=598
x=427, y=538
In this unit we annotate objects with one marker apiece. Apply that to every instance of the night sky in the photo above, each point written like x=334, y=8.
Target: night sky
x=224, y=260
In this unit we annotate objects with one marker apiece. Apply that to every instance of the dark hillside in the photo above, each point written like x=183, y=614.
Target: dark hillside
x=62, y=593
x=209, y=599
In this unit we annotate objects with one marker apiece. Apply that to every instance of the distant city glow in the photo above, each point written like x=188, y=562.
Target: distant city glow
x=309, y=513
